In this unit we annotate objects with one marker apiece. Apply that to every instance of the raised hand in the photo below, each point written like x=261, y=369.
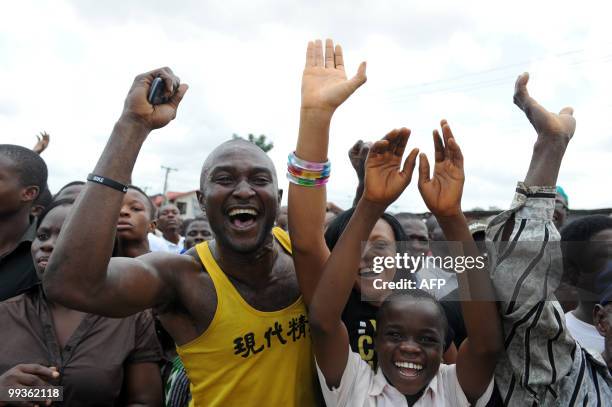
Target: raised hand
x=42, y=143
x=324, y=82
x=442, y=192
x=385, y=177
x=358, y=154
x=559, y=127
x=137, y=106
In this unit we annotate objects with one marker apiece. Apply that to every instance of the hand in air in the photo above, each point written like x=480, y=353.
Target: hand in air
x=358, y=154
x=558, y=127
x=385, y=177
x=137, y=106
x=324, y=82
x=442, y=192
x=42, y=143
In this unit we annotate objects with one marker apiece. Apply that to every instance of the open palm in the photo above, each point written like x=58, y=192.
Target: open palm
x=560, y=126
x=385, y=177
x=324, y=82
x=442, y=192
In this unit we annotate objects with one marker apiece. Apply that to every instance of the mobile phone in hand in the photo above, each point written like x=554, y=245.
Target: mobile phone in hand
x=156, y=92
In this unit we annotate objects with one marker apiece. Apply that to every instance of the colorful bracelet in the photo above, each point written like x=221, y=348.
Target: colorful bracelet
x=307, y=173
x=307, y=165
x=307, y=182
x=298, y=172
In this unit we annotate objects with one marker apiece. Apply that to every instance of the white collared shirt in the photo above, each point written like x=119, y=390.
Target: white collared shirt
x=360, y=386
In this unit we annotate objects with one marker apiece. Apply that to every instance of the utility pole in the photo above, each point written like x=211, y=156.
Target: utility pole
x=168, y=169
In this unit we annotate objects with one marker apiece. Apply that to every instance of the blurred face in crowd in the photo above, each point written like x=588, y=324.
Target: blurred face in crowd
x=135, y=217
x=417, y=234
x=239, y=195
x=70, y=192
x=560, y=213
x=596, y=256
x=381, y=243
x=409, y=343
x=198, y=231
x=169, y=218
x=13, y=195
x=46, y=236
x=602, y=319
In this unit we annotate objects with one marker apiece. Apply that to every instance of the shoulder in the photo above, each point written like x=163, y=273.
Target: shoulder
x=357, y=383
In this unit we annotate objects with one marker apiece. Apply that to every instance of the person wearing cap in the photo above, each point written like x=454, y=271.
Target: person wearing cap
x=561, y=208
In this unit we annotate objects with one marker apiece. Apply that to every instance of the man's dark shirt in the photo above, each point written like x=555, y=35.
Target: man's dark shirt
x=17, y=272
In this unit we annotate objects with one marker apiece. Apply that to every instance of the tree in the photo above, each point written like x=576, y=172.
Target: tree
x=259, y=141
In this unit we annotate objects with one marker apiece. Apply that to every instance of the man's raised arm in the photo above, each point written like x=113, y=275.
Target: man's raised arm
x=542, y=363
x=80, y=273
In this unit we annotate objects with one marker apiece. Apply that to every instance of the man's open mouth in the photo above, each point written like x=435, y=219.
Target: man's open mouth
x=409, y=369
x=242, y=218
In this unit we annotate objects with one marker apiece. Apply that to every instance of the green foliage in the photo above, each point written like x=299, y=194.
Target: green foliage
x=259, y=141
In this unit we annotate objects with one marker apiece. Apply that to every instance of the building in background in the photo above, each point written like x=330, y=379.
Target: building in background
x=186, y=202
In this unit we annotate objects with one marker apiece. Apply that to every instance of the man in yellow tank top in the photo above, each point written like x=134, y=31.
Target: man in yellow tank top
x=232, y=305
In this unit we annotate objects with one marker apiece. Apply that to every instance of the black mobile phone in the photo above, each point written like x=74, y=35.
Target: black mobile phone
x=156, y=92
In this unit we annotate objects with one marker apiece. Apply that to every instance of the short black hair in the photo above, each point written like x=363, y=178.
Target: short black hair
x=152, y=207
x=337, y=226
x=71, y=183
x=414, y=294
x=51, y=206
x=576, y=236
x=44, y=197
x=31, y=169
x=189, y=221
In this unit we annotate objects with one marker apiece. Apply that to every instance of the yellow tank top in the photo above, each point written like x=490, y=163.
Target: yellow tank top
x=249, y=357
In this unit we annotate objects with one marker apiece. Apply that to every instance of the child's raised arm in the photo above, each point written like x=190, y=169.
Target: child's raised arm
x=442, y=193
x=385, y=180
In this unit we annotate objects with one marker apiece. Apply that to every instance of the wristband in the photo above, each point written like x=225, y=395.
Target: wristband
x=107, y=182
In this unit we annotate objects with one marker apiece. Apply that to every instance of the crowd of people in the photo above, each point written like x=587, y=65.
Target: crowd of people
x=122, y=302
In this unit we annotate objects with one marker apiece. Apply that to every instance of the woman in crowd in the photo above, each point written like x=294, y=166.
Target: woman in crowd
x=99, y=361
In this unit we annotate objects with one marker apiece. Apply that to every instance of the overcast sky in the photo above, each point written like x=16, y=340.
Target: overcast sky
x=67, y=65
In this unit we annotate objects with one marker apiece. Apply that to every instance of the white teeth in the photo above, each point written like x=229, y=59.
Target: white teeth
x=235, y=212
x=408, y=365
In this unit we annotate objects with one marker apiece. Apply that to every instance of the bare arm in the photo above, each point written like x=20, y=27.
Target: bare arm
x=384, y=183
x=442, y=193
x=80, y=273
x=541, y=357
x=144, y=385
x=324, y=88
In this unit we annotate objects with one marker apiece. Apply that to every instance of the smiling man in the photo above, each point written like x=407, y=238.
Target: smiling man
x=232, y=305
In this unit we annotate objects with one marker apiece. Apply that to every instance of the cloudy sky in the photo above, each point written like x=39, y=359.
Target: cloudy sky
x=67, y=65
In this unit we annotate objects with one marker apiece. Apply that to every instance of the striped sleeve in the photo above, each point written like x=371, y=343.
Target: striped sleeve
x=542, y=363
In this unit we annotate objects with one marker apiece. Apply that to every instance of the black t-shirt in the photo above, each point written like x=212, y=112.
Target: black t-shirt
x=359, y=317
x=17, y=272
